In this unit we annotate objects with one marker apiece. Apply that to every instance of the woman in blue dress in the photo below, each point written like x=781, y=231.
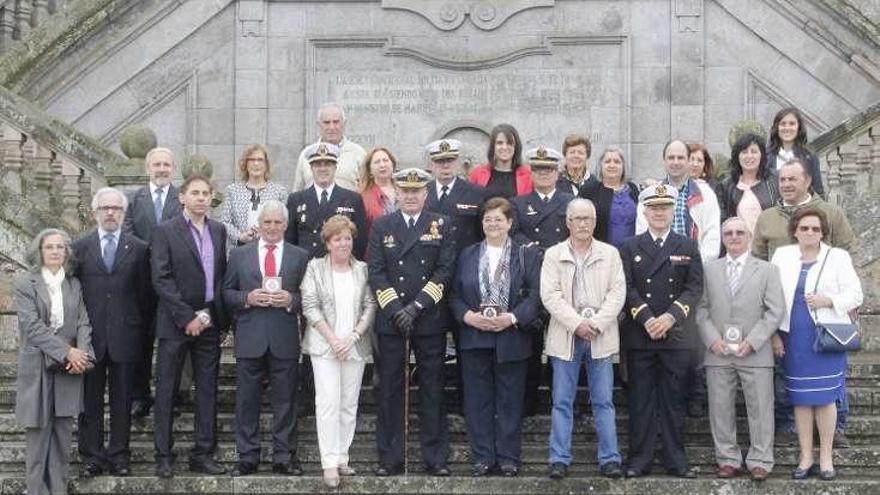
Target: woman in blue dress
x=820, y=285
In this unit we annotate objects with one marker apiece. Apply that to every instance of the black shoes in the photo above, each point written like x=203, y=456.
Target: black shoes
x=244, y=469
x=634, y=473
x=293, y=468
x=687, y=473
x=439, y=471
x=383, y=471
x=611, y=470
x=120, y=471
x=827, y=475
x=163, y=469
x=207, y=466
x=90, y=470
x=802, y=474
x=479, y=470
x=509, y=471
x=558, y=471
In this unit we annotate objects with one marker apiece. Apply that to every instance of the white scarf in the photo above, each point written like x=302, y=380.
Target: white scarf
x=56, y=302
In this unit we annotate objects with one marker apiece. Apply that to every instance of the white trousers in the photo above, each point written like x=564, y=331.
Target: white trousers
x=337, y=388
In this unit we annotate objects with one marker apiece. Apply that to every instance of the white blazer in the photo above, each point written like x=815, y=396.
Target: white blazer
x=839, y=281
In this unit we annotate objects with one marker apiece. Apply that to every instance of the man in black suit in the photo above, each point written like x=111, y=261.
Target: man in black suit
x=188, y=259
x=539, y=220
x=664, y=282
x=411, y=262
x=460, y=201
x=262, y=287
x=147, y=207
x=112, y=268
x=312, y=206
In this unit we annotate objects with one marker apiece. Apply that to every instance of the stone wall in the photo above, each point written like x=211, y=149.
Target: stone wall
x=210, y=76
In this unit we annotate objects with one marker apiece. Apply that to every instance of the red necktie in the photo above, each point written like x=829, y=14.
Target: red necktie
x=270, y=261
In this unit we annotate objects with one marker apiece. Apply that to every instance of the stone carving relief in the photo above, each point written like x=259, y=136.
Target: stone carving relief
x=688, y=13
x=448, y=15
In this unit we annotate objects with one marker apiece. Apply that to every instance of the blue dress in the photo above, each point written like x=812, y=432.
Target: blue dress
x=811, y=378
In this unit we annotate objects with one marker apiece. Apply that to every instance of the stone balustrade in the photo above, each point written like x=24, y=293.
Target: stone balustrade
x=19, y=17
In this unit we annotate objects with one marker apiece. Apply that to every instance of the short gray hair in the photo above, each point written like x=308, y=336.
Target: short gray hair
x=331, y=104
x=273, y=206
x=156, y=150
x=578, y=202
x=109, y=190
x=34, y=255
x=598, y=171
x=736, y=219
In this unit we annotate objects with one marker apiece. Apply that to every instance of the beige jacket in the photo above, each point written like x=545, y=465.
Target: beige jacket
x=318, y=304
x=606, y=291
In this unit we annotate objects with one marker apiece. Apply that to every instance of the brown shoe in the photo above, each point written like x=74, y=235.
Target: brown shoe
x=725, y=472
x=759, y=474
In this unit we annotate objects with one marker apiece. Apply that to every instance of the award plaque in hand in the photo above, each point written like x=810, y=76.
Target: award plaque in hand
x=588, y=313
x=271, y=284
x=490, y=310
x=733, y=337
x=204, y=316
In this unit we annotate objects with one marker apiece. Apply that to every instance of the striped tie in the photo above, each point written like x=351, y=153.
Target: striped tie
x=733, y=275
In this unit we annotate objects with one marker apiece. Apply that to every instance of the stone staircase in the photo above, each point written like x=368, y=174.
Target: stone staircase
x=858, y=465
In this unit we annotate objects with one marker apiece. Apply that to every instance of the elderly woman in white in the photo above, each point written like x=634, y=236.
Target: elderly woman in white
x=339, y=308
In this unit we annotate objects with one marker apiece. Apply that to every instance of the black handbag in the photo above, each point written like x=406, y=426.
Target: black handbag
x=835, y=337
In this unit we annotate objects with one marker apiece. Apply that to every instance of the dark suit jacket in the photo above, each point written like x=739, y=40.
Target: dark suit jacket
x=118, y=301
x=258, y=329
x=511, y=344
x=140, y=218
x=463, y=206
x=179, y=280
x=664, y=280
x=411, y=265
x=307, y=219
x=538, y=222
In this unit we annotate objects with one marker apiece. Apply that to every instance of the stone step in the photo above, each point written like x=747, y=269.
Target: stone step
x=861, y=460
x=528, y=483
x=862, y=430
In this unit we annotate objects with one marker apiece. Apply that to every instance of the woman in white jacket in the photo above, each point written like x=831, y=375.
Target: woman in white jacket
x=820, y=286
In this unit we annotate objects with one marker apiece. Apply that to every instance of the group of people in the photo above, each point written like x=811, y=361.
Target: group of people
x=532, y=254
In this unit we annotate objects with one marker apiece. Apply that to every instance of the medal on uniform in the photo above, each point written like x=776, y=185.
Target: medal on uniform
x=435, y=230
x=637, y=258
x=388, y=240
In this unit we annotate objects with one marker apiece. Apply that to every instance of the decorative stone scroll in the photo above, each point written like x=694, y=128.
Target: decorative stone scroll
x=449, y=15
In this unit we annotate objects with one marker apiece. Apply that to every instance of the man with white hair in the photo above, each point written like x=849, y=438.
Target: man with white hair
x=331, y=125
x=113, y=268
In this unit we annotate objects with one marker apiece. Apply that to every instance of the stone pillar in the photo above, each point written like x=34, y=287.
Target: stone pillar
x=251, y=76
x=7, y=29
x=687, y=65
x=70, y=193
x=23, y=25
x=10, y=156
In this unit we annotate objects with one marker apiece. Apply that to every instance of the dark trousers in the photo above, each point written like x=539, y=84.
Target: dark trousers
x=657, y=384
x=204, y=351
x=429, y=351
x=119, y=378
x=535, y=372
x=143, y=370
x=282, y=383
x=493, y=406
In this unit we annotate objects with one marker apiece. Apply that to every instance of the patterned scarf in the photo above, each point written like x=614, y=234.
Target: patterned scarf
x=495, y=288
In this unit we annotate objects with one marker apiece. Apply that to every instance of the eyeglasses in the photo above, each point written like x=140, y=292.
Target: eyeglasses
x=110, y=209
x=734, y=233
x=582, y=219
x=809, y=228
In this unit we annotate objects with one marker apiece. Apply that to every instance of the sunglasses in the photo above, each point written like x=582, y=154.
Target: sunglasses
x=809, y=228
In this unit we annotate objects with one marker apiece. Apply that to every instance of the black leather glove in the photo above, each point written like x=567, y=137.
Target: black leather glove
x=405, y=319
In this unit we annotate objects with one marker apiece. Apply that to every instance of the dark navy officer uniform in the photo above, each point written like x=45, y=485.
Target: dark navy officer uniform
x=539, y=220
x=310, y=208
x=662, y=276
x=410, y=268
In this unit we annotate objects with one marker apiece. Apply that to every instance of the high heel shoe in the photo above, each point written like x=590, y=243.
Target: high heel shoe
x=802, y=474
x=331, y=478
x=828, y=475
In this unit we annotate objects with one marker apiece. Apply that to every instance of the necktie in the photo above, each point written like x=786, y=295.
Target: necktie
x=733, y=275
x=157, y=204
x=658, y=242
x=269, y=263
x=109, y=251
x=412, y=222
x=323, y=197
x=444, y=191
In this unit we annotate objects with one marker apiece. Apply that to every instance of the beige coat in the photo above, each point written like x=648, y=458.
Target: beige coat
x=606, y=290
x=318, y=304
